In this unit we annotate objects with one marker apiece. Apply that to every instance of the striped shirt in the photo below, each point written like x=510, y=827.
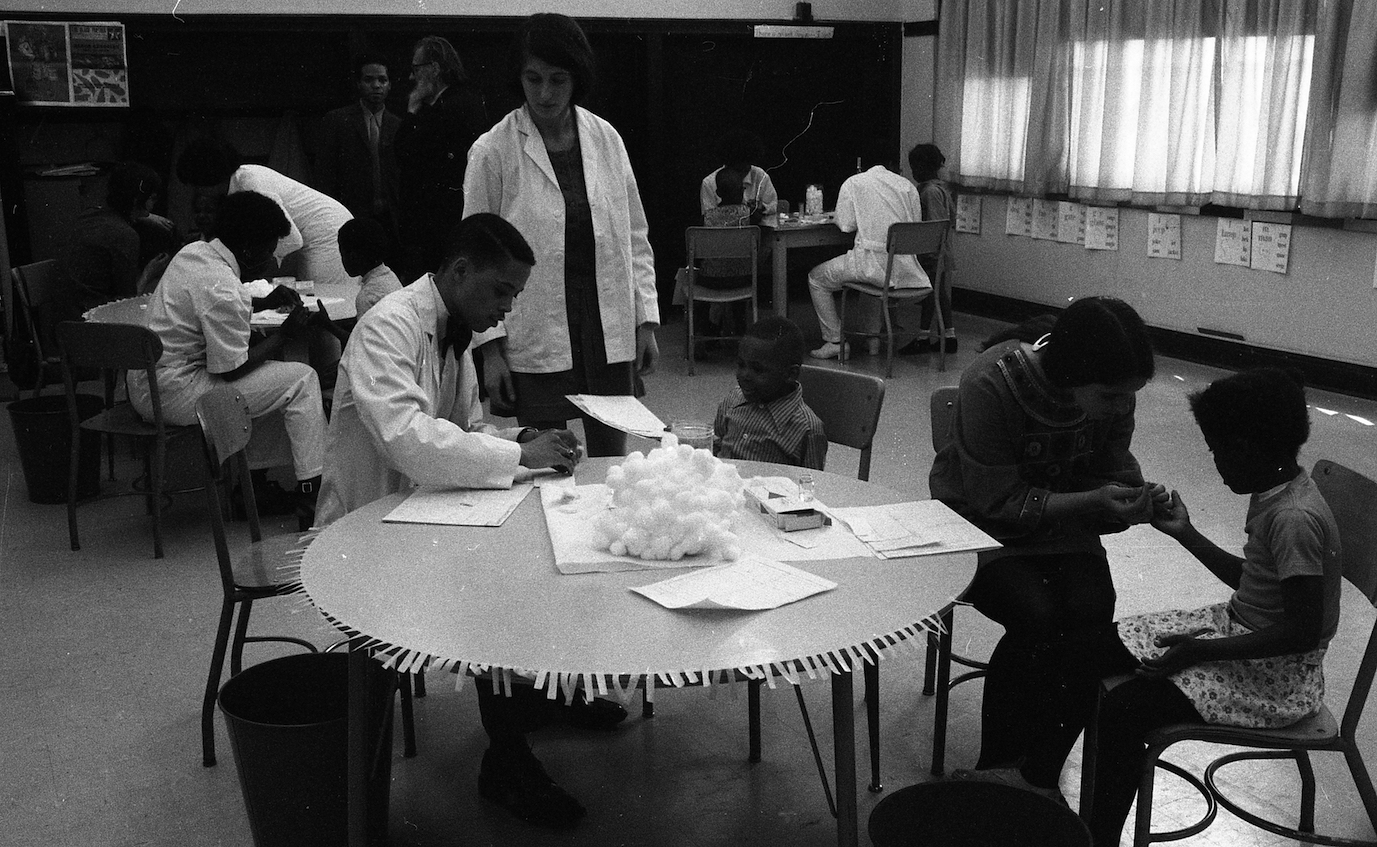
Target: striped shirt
x=784, y=430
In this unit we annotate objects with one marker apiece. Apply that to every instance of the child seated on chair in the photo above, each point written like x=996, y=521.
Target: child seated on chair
x=764, y=417
x=723, y=273
x=1257, y=660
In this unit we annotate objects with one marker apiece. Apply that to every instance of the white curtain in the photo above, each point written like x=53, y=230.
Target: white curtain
x=1340, y=178
x=1142, y=101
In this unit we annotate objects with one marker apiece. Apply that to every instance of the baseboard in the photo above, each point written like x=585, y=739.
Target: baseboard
x=1343, y=377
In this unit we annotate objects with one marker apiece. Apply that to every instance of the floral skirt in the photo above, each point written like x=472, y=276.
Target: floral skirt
x=1260, y=693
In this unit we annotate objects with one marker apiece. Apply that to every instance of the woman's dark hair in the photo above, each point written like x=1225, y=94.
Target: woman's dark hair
x=486, y=240
x=557, y=40
x=247, y=217
x=1265, y=406
x=1097, y=341
x=433, y=48
x=365, y=236
x=207, y=161
x=131, y=184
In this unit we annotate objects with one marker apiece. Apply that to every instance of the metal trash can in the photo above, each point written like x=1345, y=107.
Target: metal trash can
x=44, y=441
x=288, y=728
x=973, y=814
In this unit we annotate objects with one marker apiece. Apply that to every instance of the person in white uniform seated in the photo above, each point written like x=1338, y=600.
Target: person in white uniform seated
x=201, y=312
x=867, y=204
x=407, y=413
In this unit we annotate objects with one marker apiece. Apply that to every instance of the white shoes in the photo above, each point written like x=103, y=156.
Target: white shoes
x=829, y=350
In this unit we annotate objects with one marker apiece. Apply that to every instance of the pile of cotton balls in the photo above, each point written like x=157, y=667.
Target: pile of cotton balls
x=675, y=502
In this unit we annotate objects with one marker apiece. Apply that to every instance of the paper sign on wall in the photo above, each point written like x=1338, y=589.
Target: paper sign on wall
x=1164, y=236
x=1070, y=223
x=968, y=214
x=1233, y=243
x=53, y=63
x=1271, y=246
x=1018, y=219
x=1101, y=228
x=1046, y=214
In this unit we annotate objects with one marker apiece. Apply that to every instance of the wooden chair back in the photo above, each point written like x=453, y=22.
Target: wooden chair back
x=721, y=242
x=849, y=404
x=35, y=286
x=110, y=347
x=226, y=428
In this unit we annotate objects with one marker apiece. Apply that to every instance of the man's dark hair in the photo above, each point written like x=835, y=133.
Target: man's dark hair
x=365, y=236
x=557, y=40
x=925, y=158
x=487, y=240
x=207, y=161
x=730, y=185
x=363, y=59
x=1265, y=406
x=247, y=217
x=1097, y=341
x=784, y=334
x=433, y=48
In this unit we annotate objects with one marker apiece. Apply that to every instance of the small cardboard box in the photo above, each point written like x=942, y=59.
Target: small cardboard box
x=787, y=513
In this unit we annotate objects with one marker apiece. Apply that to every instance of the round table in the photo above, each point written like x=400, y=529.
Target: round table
x=489, y=599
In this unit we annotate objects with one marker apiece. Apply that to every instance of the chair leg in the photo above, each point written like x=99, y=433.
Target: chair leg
x=930, y=666
x=155, y=488
x=940, y=709
x=753, y=719
x=1358, y=768
x=217, y=667
x=1307, y=775
x=647, y=707
x=889, y=336
x=73, y=461
x=941, y=323
x=841, y=324
x=1142, y=826
x=871, y=673
x=241, y=630
x=408, y=718
x=418, y=683
x=688, y=337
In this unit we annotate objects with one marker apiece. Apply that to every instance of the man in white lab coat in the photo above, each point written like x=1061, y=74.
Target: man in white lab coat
x=407, y=412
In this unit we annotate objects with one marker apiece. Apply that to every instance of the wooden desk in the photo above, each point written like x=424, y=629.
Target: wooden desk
x=445, y=596
x=795, y=234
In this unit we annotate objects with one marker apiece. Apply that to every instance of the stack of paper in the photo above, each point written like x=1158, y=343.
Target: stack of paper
x=750, y=583
x=459, y=506
x=625, y=413
x=920, y=528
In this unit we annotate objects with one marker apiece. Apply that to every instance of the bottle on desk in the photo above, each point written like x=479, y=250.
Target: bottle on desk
x=812, y=203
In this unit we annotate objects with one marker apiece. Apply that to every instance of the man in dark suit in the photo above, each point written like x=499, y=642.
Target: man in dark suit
x=357, y=161
x=445, y=115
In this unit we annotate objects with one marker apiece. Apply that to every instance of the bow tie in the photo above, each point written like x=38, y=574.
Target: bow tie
x=457, y=335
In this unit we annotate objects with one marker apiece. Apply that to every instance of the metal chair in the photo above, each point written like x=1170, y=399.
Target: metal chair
x=849, y=405
x=714, y=243
x=35, y=290
x=112, y=348
x=904, y=239
x=1352, y=498
x=937, y=671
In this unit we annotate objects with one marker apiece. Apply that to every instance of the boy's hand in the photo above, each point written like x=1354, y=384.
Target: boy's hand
x=297, y=322
x=1131, y=504
x=1172, y=517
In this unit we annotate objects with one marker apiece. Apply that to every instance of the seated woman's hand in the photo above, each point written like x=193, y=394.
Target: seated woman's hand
x=280, y=296
x=297, y=322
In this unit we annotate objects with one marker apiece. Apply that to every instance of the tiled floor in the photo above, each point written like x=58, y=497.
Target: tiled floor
x=105, y=652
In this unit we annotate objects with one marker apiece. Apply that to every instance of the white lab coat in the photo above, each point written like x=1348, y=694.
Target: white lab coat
x=402, y=416
x=867, y=204
x=315, y=218
x=509, y=173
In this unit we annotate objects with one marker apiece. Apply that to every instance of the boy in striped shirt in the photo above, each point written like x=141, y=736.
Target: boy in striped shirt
x=764, y=417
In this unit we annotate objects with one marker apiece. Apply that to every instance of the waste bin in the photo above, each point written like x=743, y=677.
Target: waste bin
x=288, y=727
x=973, y=814
x=44, y=439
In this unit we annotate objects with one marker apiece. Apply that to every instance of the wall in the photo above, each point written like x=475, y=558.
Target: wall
x=1324, y=306
x=844, y=10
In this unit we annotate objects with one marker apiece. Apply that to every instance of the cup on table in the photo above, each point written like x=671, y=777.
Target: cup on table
x=695, y=434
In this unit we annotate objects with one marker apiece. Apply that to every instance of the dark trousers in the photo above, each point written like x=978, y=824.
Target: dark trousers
x=1126, y=715
x=508, y=719
x=1059, y=641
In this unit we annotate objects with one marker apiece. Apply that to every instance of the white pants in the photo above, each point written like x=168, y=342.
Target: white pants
x=284, y=401
x=856, y=265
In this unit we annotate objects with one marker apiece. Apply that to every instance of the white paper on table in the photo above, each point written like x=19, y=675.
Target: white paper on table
x=921, y=528
x=570, y=514
x=750, y=583
x=274, y=317
x=460, y=506
x=622, y=412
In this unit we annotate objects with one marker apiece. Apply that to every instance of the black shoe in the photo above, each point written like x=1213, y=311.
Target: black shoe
x=515, y=779
x=600, y=715
x=949, y=344
x=916, y=347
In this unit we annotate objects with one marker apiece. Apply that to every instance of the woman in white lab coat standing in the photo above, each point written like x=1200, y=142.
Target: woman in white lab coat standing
x=586, y=322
